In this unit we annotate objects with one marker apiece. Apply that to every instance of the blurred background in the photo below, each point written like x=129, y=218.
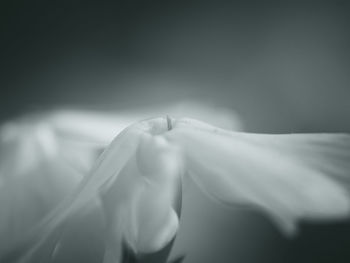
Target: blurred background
x=283, y=67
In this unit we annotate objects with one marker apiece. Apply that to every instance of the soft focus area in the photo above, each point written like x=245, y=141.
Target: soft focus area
x=280, y=67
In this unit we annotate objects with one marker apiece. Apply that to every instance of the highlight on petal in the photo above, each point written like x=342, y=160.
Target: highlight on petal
x=104, y=126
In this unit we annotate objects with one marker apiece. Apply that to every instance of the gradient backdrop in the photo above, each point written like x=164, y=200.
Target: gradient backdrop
x=284, y=67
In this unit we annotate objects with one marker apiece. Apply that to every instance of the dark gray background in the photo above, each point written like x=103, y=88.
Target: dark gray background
x=284, y=67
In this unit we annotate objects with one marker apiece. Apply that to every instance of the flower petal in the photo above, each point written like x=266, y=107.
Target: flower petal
x=291, y=177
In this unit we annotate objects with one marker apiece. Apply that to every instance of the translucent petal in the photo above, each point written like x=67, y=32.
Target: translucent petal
x=290, y=177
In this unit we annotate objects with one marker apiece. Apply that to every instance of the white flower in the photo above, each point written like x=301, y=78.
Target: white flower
x=136, y=179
